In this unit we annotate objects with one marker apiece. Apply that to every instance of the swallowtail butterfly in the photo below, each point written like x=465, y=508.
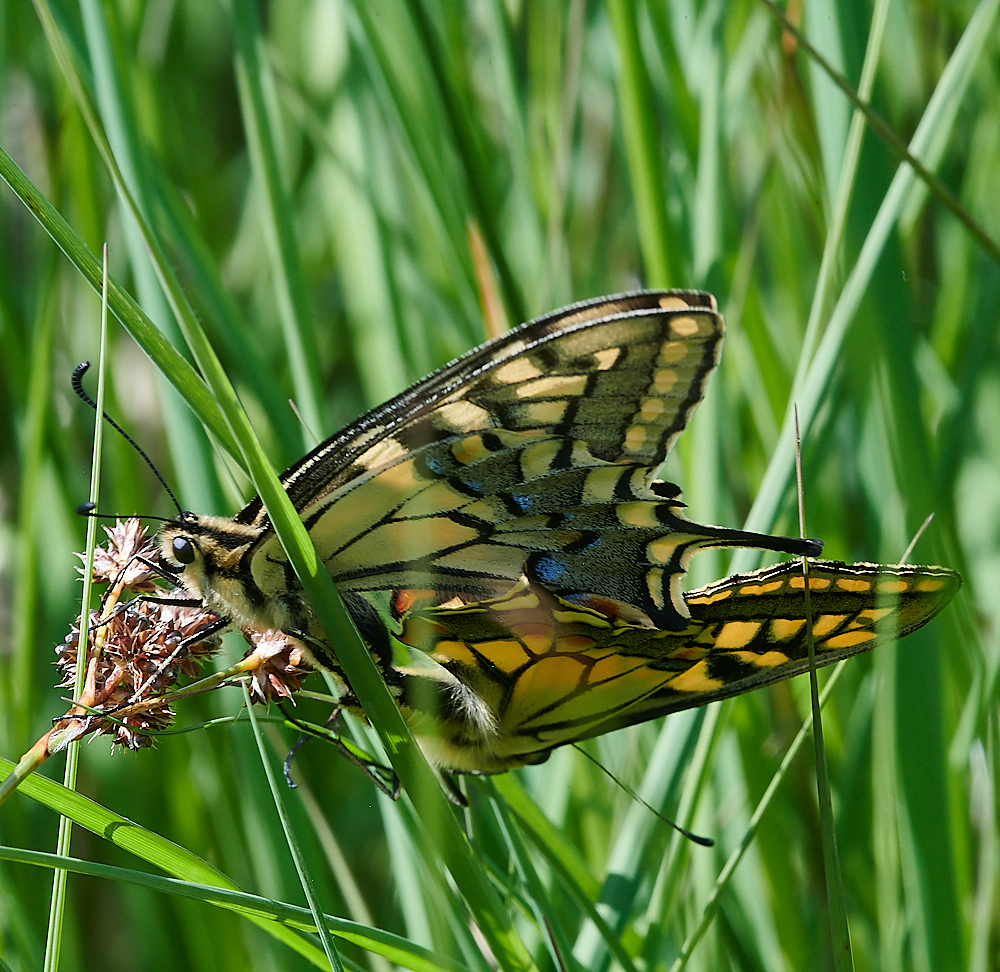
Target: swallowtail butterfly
x=502, y=541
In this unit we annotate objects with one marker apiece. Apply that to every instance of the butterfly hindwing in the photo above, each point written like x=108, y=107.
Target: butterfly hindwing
x=551, y=672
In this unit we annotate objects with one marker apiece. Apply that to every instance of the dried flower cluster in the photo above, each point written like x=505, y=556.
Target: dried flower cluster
x=124, y=559
x=136, y=656
x=282, y=665
x=146, y=647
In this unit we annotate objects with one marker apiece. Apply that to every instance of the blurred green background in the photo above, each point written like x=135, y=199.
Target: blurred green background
x=342, y=187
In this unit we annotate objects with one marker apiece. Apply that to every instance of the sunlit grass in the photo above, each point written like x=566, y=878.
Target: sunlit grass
x=314, y=182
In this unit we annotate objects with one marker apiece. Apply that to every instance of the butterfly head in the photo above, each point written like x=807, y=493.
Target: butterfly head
x=208, y=556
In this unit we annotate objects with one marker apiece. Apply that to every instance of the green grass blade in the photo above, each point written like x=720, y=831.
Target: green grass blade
x=467, y=142
x=177, y=369
x=629, y=854
x=933, y=151
x=643, y=147
x=253, y=76
x=305, y=880
x=563, y=860
x=250, y=906
x=146, y=845
x=696, y=933
x=57, y=906
x=833, y=243
x=18, y=698
x=948, y=93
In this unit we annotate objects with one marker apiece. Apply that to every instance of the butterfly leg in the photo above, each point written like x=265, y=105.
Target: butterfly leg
x=452, y=791
x=382, y=776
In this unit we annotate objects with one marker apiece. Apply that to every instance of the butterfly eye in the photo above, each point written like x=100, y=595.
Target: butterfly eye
x=184, y=550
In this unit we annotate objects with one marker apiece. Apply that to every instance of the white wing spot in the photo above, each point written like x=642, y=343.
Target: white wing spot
x=537, y=459
x=521, y=369
x=635, y=438
x=664, y=380
x=639, y=514
x=461, y=417
x=385, y=452
x=673, y=351
x=545, y=413
x=672, y=303
x=509, y=350
x=654, y=584
x=651, y=409
x=606, y=358
x=556, y=385
x=661, y=549
x=470, y=450
x=600, y=485
x=684, y=326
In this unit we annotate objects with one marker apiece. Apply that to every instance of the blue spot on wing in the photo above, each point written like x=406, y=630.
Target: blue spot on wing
x=546, y=569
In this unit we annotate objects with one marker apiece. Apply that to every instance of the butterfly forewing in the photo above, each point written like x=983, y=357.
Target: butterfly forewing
x=596, y=335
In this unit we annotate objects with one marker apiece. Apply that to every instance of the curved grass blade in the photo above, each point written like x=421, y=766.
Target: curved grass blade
x=146, y=845
x=262, y=911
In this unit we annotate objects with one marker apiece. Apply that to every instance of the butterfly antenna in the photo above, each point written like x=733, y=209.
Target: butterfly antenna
x=684, y=832
x=77, y=382
x=87, y=509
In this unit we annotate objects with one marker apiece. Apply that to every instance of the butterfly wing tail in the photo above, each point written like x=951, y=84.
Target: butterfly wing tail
x=752, y=629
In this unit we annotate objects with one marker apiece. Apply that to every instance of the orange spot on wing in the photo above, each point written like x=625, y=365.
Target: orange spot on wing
x=737, y=634
x=505, y=653
x=762, y=588
x=850, y=584
x=826, y=623
x=873, y=614
x=695, y=679
x=815, y=583
x=770, y=659
x=767, y=660
x=407, y=597
x=893, y=586
x=711, y=598
x=536, y=637
x=848, y=639
x=454, y=651
x=783, y=628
